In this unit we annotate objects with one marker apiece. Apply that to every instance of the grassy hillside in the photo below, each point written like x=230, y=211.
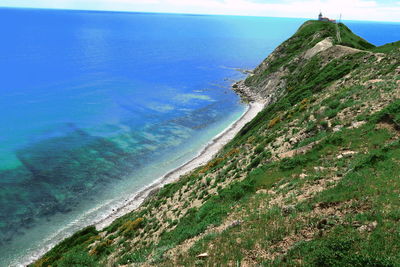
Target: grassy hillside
x=313, y=180
x=387, y=48
x=307, y=36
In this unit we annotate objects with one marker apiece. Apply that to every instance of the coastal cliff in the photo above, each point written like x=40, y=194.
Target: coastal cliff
x=312, y=180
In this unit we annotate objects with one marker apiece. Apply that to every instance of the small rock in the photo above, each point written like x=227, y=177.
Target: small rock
x=363, y=228
x=235, y=223
x=348, y=153
x=286, y=210
x=369, y=227
x=357, y=124
x=262, y=191
x=337, y=128
x=271, y=192
x=283, y=186
x=203, y=255
x=319, y=169
x=303, y=175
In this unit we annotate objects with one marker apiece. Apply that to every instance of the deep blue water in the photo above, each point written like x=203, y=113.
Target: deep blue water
x=96, y=105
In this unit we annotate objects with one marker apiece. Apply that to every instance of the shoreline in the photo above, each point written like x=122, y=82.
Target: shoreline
x=205, y=155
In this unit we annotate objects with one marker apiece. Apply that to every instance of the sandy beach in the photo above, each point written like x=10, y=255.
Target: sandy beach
x=205, y=155
x=134, y=200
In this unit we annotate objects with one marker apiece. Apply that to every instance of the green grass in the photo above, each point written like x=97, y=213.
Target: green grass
x=352, y=40
x=72, y=251
x=211, y=213
x=367, y=192
x=304, y=39
x=371, y=184
x=298, y=43
x=387, y=47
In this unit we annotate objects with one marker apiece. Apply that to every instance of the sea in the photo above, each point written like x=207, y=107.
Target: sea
x=95, y=106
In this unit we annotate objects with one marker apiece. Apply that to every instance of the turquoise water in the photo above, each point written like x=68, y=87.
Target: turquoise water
x=97, y=105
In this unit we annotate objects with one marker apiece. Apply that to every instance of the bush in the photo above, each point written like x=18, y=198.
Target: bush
x=254, y=163
x=102, y=248
x=291, y=163
x=259, y=149
x=390, y=114
x=334, y=104
x=330, y=113
x=311, y=127
x=335, y=140
x=371, y=159
x=273, y=122
x=128, y=229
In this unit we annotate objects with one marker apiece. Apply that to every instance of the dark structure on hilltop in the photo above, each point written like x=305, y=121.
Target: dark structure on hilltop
x=321, y=18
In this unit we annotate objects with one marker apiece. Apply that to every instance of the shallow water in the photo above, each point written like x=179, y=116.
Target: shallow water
x=97, y=105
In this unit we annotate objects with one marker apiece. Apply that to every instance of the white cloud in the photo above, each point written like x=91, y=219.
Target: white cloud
x=350, y=9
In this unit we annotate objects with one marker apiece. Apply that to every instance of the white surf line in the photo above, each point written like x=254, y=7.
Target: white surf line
x=204, y=156
x=138, y=197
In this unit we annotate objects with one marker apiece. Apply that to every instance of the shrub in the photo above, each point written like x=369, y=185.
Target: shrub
x=102, y=248
x=311, y=127
x=334, y=104
x=212, y=164
x=390, y=114
x=273, y=122
x=129, y=227
x=335, y=140
x=291, y=163
x=259, y=149
x=330, y=113
x=266, y=154
x=371, y=159
x=254, y=163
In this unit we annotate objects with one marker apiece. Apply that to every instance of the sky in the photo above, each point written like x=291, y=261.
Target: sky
x=384, y=10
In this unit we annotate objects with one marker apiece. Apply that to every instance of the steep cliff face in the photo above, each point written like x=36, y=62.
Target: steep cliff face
x=271, y=78
x=313, y=180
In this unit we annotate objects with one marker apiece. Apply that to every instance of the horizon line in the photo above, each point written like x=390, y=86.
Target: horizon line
x=180, y=13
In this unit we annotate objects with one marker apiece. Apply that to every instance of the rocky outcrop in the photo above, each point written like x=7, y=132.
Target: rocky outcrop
x=270, y=80
x=283, y=182
x=321, y=46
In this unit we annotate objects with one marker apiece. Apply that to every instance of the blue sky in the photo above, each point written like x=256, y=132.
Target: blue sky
x=385, y=10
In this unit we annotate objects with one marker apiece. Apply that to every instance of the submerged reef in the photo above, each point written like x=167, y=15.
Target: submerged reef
x=58, y=173
x=312, y=180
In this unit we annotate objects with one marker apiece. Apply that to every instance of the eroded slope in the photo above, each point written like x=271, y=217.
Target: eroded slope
x=312, y=180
